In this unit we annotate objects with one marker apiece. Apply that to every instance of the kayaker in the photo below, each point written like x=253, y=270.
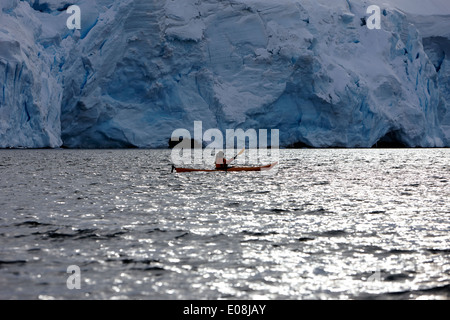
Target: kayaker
x=221, y=162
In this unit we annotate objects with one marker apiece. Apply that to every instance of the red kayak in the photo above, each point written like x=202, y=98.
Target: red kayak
x=231, y=169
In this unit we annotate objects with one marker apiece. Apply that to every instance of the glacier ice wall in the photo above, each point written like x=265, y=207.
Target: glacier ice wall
x=435, y=33
x=30, y=93
x=139, y=69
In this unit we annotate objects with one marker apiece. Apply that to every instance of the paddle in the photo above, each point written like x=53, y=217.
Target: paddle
x=235, y=157
x=242, y=151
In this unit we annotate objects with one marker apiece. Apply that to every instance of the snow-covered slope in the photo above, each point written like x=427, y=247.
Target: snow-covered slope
x=139, y=69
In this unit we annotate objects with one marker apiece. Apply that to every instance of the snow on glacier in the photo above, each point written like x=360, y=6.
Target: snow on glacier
x=138, y=69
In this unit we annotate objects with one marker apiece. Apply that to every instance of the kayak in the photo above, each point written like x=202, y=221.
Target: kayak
x=230, y=169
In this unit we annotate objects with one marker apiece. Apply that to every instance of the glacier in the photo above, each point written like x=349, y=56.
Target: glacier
x=139, y=69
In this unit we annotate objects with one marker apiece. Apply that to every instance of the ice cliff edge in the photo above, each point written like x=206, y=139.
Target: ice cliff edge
x=139, y=69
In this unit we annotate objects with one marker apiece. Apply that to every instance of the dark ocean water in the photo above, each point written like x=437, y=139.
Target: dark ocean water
x=328, y=224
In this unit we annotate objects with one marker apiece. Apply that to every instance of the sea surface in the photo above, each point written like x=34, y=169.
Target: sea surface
x=327, y=224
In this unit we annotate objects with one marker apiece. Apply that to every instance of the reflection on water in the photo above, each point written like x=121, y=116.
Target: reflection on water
x=330, y=224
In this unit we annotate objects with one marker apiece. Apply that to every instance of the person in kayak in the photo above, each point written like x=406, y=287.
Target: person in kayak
x=221, y=162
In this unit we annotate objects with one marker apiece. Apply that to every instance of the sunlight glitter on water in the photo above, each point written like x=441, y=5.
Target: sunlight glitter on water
x=329, y=224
